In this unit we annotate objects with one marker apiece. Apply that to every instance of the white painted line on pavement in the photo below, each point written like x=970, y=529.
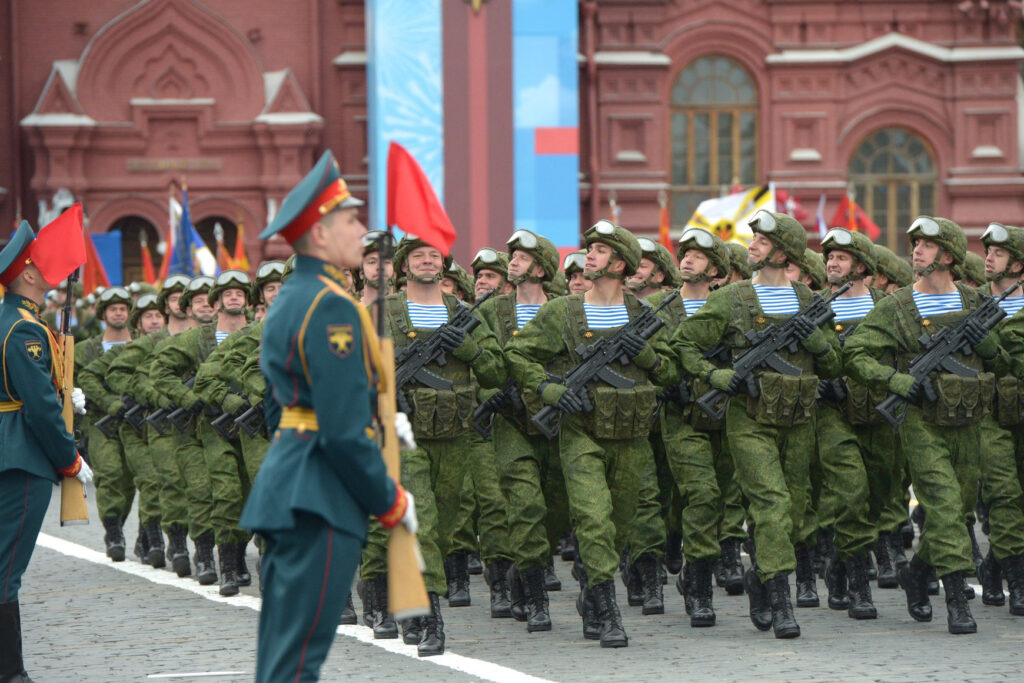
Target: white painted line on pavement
x=480, y=668
x=199, y=674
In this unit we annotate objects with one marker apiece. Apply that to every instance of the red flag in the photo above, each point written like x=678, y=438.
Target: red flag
x=663, y=229
x=148, y=273
x=60, y=247
x=93, y=273
x=224, y=259
x=851, y=216
x=241, y=258
x=787, y=203
x=412, y=204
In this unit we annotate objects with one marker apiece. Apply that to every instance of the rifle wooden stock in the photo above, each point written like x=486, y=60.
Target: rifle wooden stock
x=407, y=594
x=72, y=496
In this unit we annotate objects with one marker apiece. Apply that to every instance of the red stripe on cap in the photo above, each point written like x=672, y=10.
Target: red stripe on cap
x=333, y=194
x=14, y=271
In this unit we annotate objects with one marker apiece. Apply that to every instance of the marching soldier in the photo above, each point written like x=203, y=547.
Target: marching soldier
x=458, y=283
x=37, y=448
x=573, y=267
x=490, y=272
x=369, y=270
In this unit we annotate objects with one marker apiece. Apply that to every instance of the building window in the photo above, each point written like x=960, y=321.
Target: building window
x=714, y=132
x=894, y=180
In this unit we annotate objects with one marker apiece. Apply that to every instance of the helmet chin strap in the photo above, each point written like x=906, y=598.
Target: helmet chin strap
x=934, y=265
x=427, y=279
x=598, y=274
x=516, y=280
x=694, y=278
x=767, y=262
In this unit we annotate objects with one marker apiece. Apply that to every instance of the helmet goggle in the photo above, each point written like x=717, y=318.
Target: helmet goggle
x=929, y=227
x=199, y=283
x=269, y=268
x=702, y=237
x=574, y=261
x=176, y=280
x=604, y=227
x=486, y=255
x=647, y=246
x=840, y=236
x=233, y=277
x=376, y=236
x=146, y=301
x=996, y=233
x=522, y=239
x=114, y=293
x=763, y=221
x=134, y=288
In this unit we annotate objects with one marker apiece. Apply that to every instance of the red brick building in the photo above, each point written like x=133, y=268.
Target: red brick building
x=917, y=104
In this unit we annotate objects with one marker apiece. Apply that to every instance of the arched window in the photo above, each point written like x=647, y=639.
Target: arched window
x=714, y=132
x=894, y=180
x=132, y=228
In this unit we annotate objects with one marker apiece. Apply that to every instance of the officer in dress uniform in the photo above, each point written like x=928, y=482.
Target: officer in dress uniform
x=37, y=447
x=323, y=475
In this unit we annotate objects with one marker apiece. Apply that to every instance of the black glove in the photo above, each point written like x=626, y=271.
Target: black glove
x=451, y=338
x=975, y=332
x=802, y=327
x=570, y=403
x=920, y=391
x=632, y=343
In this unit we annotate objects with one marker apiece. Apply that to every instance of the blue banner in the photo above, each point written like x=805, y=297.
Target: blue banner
x=108, y=248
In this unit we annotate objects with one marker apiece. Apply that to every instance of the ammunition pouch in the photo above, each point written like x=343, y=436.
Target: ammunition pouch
x=442, y=414
x=693, y=414
x=622, y=413
x=1009, y=404
x=859, y=406
x=784, y=401
x=960, y=400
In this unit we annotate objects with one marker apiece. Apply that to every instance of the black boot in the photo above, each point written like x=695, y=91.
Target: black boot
x=496, y=575
x=1013, y=567
x=242, y=569
x=538, y=615
x=141, y=548
x=650, y=581
x=432, y=642
x=783, y=618
x=760, y=605
x=551, y=580
x=958, y=612
x=933, y=582
x=228, y=553
x=861, y=606
x=155, y=553
x=381, y=621
x=517, y=599
x=114, y=538
x=685, y=584
x=206, y=571
x=363, y=591
x=886, y=565
x=824, y=553
x=990, y=574
x=12, y=666
x=585, y=604
x=568, y=547
x=806, y=588
x=412, y=630
x=613, y=634
x=631, y=580
x=906, y=535
x=457, y=571
x=674, y=552
x=703, y=613
x=914, y=580
x=837, y=582
x=473, y=564
x=348, y=614
x=732, y=567
x=177, y=550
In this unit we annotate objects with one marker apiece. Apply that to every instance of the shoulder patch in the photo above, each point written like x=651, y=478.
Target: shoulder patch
x=34, y=347
x=339, y=339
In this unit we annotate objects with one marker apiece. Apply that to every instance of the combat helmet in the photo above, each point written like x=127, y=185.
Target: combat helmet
x=739, y=260
x=172, y=284
x=1006, y=237
x=573, y=262
x=146, y=302
x=229, y=279
x=199, y=285
x=857, y=244
x=489, y=258
x=944, y=232
x=973, y=269
x=717, y=251
x=622, y=241
x=371, y=245
x=812, y=265
x=462, y=280
x=140, y=288
x=784, y=232
x=110, y=296
x=557, y=285
x=406, y=245
x=541, y=248
x=267, y=272
x=663, y=263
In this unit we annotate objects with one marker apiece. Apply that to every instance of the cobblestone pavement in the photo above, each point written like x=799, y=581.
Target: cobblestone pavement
x=86, y=619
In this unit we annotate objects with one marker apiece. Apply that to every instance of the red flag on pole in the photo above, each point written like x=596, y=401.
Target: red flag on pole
x=60, y=247
x=93, y=273
x=241, y=258
x=148, y=272
x=851, y=216
x=663, y=224
x=412, y=205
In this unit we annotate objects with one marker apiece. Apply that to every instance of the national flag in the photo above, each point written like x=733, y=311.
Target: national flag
x=729, y=216
x=189, y=255
x=60, y=247
x=413, y=206
x=787, y=203
x=820, y=217
x=241, y=258
x=148, y=274
x=851, y=216
x=224, y=260
x=93, y=273
x=173, y=215
x=663, y=226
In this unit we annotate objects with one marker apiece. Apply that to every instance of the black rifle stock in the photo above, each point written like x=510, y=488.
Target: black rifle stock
x=483, y=416
x=251, y=421
x=938, y=353
x=764, y=352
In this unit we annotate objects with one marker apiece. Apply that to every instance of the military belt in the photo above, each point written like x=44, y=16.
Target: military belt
x=10, y=406
x=299, y=418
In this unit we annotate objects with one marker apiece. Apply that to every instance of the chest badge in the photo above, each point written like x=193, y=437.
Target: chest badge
x=34, y=349
x=339, y=338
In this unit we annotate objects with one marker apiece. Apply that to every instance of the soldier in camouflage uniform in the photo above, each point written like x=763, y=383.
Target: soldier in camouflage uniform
x=972, y=273
x=605, y=453
x=531, y=478
x=573, y=267
x=939, y=434
x=370, y=269
x=771, y=436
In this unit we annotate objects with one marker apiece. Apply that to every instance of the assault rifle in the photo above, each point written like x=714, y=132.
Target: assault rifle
x=764, y=352
x=159, y=418
x=412, y=361
x=226, y=424
x=938, y=353
x=596, y=361
x=483, y=416
x=680, y=393
x=251, y=421
x=108, y=424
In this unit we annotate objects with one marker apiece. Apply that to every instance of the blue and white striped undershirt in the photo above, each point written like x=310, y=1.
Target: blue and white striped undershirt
x=937, y=304
x=109, y=345
x=525, y=313
x=693, y=305
x=777, y=300
x=427, y=316
x=605, y=317
x=1012, y=304
x=852, y=307
x=221, y=336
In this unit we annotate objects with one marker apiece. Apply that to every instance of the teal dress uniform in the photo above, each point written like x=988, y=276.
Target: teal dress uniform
x=323, y=475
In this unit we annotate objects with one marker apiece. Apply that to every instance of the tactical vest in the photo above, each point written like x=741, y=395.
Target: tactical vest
x=1009, y=399
x=960, y=400
x=617, y=413
x=858, y=407
x=784, y=401
x=437, y=414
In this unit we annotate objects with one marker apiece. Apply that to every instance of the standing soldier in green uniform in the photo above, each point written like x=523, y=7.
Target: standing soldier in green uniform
x=605, y=453
x=573, y=267
x=527, y=463
x=369, y=269
x=323, y=475
x=771, y=436
x=37, y=448
x=939, y=435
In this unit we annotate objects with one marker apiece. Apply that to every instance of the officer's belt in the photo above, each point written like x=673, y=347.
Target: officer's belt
x=300, y=418
x=10, y=406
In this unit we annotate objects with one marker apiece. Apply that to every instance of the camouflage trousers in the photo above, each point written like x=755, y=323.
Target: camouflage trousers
x=483, y=513
x=1001, y=488
x=944, y=470
x=734, y=508
x=531, y=480
x=192, y=464
x=772, y=470
x=229, y=482
x=173, y=500
x=648, y=531
x=140, y=466
x=602, y=480
x=115, y=487
x=886, y=470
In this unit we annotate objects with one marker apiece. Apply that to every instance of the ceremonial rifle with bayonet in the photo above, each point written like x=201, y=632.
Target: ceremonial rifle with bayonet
x=72, y=494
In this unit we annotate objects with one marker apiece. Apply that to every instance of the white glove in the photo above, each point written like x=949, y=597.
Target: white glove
x=85, y=474
x=406, y=439
x=78, y=401
x=409, y=520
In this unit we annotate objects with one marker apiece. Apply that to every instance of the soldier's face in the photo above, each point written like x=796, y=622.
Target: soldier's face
x=759, y=248
x=579, y=284
x=599, y=255
x=793, y=272
x=839, y=265
x=151, y=321
x=997, y=260
x=424, y=261
x=487, y=280
x=925, y=253
x=232, y=301
x=644, y=271
x=270, y=291
x=449, y=286
x=520, y=263
x=202, y=310
x=343, y=236
x=174, y=304
x=116, y=315
x=694, y=262
x=371, y=267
